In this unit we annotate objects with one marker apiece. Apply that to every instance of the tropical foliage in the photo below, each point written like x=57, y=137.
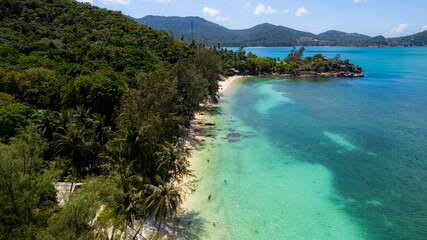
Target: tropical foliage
x=88, y=95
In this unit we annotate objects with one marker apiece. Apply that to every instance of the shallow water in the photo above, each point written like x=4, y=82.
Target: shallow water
x=320, y=158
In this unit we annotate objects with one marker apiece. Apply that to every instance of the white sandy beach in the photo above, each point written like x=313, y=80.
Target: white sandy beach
x=224, y=85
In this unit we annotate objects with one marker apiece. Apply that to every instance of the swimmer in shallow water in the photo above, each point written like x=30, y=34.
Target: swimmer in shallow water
x=225, y=181
x=210, y=196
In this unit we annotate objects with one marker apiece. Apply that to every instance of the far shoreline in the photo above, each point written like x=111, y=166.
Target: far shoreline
x=328, y=46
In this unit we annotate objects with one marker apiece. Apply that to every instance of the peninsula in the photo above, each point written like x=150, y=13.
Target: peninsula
x=294, y=65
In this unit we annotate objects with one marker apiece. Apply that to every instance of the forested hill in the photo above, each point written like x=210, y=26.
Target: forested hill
x=63, y=40
x=269, y=35
x=88, y=95
x=80, y=33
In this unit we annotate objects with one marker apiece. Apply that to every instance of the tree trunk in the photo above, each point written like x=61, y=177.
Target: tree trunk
x=160, y=223
x=139, y=229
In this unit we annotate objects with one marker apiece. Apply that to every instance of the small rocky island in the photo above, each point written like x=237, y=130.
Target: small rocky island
x=294, y=65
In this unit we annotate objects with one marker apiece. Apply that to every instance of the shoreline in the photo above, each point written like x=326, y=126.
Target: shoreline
x=170, y=227
x=193, y=136
x=373, y=46
x=191, y=140
x=224, y=85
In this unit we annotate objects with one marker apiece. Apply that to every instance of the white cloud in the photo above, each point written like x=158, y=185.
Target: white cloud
x=270, y=10
x=285, y=11
x=301, y=11
x=261, y=9
x=210, y=11
x=163, y=0
x=247, y=4
x=89, y=1
x=400, y=28
x=117, y=1
x=359, y=1
x=219, y=18
x=424, y=27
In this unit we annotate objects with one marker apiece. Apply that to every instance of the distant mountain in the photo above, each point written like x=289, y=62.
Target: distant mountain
x=211, y=33
x=343, y=35
x=204, y=31
x=268, y=35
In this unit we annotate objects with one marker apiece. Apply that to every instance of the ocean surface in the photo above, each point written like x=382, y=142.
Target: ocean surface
x=317, y=158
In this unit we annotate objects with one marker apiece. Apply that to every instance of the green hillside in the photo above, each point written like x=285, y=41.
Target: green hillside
x=87, y=95
x=418, y=39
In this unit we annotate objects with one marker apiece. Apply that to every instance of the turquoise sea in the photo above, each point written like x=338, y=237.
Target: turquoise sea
x=317, y=158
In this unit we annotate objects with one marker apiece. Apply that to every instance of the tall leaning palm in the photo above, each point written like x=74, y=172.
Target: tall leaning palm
x=163, y=199
x=172, y=162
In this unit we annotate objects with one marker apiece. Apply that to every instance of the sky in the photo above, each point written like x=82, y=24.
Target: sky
x=390, y=18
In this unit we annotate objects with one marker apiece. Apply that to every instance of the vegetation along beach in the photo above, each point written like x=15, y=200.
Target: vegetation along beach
x=126, y=119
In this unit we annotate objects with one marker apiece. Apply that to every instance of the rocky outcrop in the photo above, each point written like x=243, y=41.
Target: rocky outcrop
x=320, y=75
x=345, y=66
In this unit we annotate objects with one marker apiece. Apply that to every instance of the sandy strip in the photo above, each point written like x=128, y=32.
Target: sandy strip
x=224, y=85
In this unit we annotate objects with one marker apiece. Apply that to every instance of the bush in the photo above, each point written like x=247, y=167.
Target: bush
x=12, y=118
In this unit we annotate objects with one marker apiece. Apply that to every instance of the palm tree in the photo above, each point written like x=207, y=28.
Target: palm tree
x=74, y=145
x=102, y=131
x=164, y=199
x=64, y=119
x=172, y=162
x=131, y=202
x=45, y=121
x=83, y=116
x=137, y=148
